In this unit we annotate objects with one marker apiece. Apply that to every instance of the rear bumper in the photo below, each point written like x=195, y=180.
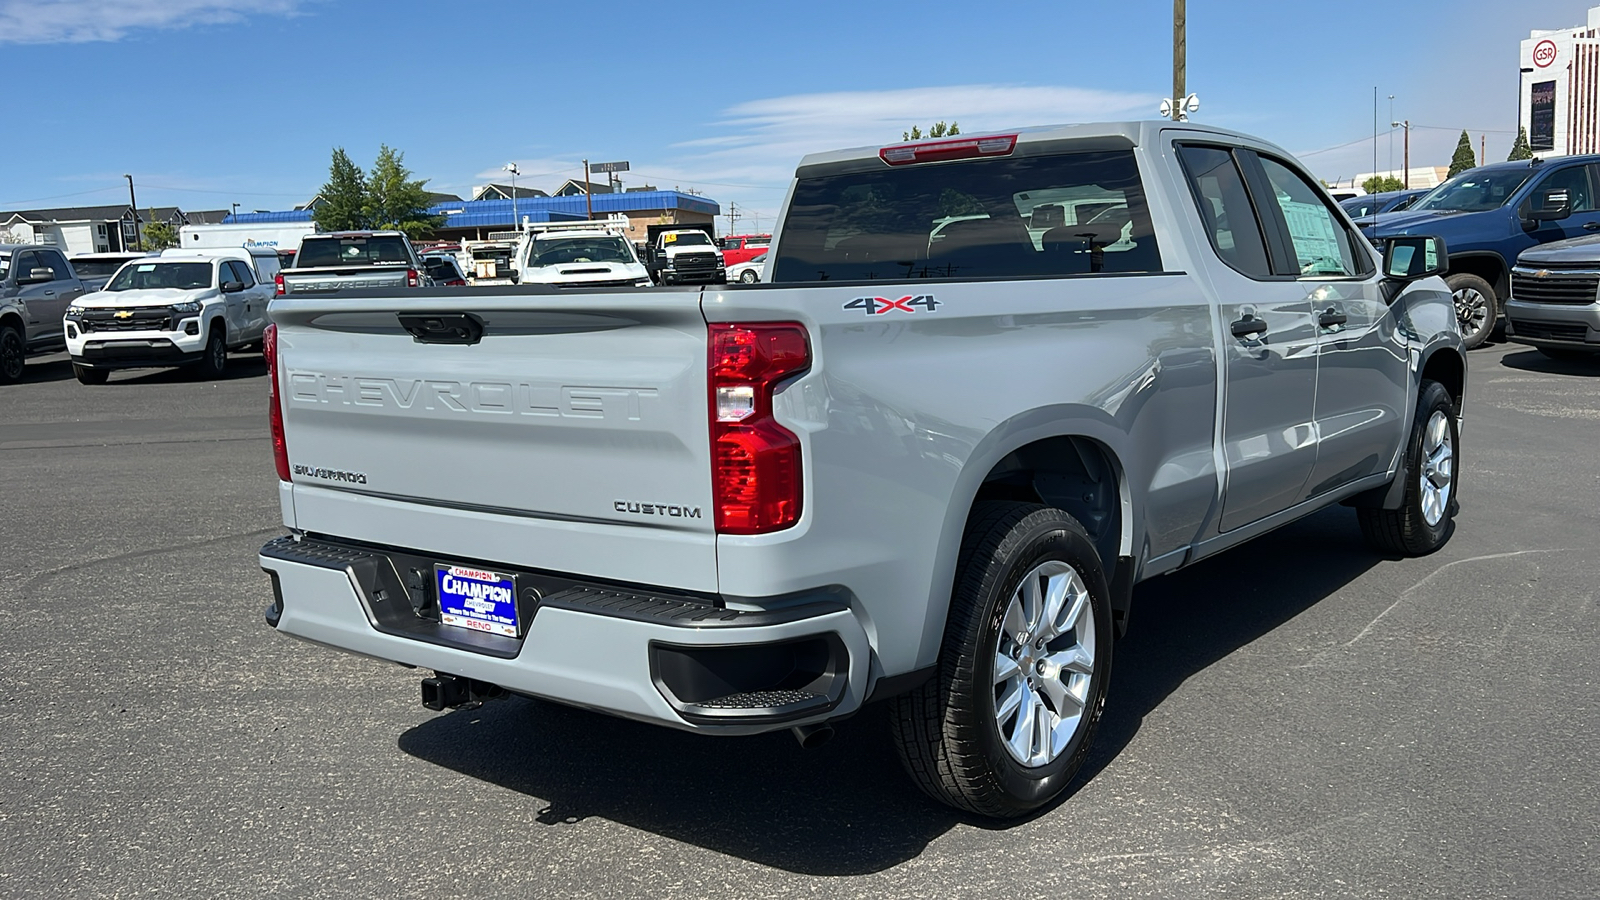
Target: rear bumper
x=1553, y=325
x=662, y=658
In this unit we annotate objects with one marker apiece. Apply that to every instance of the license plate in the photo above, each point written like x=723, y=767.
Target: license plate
x=477, y=599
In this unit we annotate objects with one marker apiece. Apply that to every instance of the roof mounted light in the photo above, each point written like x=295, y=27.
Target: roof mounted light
x=940, y=151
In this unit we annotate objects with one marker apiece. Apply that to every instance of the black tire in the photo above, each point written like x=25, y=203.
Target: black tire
x=13, y=354
x=1477, y=308
x=214, y=361
x=86, y=375
x=946, y=730
x=1565, y=355
x=1406, y=531
x=749, y=276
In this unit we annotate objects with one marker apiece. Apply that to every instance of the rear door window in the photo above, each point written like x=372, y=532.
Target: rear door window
x=1070, y=214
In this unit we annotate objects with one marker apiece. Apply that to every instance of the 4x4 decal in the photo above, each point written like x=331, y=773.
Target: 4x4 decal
x=877, y=306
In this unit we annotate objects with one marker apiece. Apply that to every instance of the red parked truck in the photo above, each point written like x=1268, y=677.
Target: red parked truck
x=738, y=248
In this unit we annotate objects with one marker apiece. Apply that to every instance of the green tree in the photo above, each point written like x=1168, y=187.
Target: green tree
x=395, y=200
x=343, y=197
x=938, y=130
x=1464, y=159
x=1379, y=184
x=159, y=235
x=1520, y=148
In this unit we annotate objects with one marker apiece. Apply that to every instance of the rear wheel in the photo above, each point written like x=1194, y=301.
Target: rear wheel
x=1422, y=523
x=1477, y=308
x=86, y=375
x=12, y=353
x=1007, y=722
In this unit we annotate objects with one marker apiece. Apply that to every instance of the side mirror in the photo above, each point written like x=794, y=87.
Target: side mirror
x=1548, y=206
x=38, y=276
x=232, y=287
x=1410, y=257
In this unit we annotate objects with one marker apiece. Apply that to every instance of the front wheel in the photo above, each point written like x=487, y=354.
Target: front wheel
x=12, y=353
x=1422, y=523
x=749, y=276
x=214, y=361
x=1477, y=308
x=87, y=375
x=1007, y=722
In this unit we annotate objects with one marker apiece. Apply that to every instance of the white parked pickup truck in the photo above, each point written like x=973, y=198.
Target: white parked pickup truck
x=581, y=254
x=182, y=308
x=992, y=384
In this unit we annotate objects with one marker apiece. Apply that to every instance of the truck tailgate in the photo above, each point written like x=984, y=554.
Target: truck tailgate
x=322, y=280
x=577, y=422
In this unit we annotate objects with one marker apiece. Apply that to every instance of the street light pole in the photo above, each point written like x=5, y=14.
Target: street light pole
x=516, y=222
x=138, y=239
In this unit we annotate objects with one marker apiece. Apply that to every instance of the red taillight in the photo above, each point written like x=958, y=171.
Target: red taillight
x=411, y=278
x=277, y=283
x=280, y=449
x=755, y=462
x=939, y=151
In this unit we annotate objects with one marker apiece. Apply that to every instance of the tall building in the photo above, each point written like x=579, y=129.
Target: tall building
x=1560, y=90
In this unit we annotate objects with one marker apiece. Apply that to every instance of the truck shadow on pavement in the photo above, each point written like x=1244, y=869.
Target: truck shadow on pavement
x=1531, y=360
x=848, y=808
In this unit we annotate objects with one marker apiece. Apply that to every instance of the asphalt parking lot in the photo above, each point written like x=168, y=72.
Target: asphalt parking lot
x=1295, y=718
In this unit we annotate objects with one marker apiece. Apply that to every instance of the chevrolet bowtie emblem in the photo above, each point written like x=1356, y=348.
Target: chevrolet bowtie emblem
x=124, y=314
x=1542, y=273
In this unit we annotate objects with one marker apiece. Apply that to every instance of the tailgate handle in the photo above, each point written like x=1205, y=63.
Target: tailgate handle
x=442, y=328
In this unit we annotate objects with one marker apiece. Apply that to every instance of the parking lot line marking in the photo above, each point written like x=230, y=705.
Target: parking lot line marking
x=1431, y=575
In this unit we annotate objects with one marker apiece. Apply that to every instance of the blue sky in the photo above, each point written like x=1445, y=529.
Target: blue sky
x=210, y=102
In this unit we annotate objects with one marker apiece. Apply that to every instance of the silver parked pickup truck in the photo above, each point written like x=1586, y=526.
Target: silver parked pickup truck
x=994, y=383
x=353, y=260
x=36, y=285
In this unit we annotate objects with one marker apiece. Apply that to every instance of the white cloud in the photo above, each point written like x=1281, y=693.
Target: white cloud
x=749, y=154
x=79, y=21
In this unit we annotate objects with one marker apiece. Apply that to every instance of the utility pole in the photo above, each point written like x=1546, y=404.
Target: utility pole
x=1407, y=126
x=1180, y=53
x=588, y=195
x=138, y=239
x=733, y=217
x=1483, y=147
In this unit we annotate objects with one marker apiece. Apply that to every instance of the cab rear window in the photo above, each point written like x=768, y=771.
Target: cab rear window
x=1071, y=214
x=379, y=250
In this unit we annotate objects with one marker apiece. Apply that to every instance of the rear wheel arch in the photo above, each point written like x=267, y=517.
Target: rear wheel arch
x=1005, y=470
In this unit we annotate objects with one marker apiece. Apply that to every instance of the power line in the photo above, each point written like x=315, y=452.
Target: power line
x=59, y=196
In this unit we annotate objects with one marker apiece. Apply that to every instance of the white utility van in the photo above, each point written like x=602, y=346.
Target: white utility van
x=184, y=307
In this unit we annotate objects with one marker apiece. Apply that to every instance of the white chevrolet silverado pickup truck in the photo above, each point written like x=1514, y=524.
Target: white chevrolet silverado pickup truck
x=994, y=383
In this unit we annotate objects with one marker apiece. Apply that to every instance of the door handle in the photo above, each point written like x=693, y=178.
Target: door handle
x=1591, y=226
x=1331, y=318
x=1248, y=327
x=49, y=293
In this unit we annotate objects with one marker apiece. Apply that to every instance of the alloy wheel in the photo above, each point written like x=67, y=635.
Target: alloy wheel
x=1044, y=663
x=1438, y=468
x=1472, y=310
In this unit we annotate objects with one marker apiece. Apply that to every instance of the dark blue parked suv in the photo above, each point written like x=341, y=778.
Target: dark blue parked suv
x=1488, y=215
